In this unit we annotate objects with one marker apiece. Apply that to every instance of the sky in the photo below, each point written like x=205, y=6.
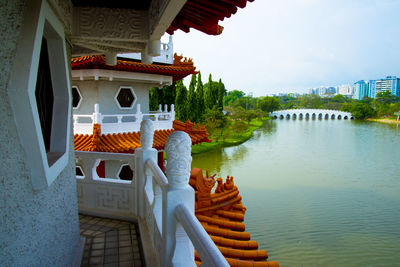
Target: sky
x=282, y=46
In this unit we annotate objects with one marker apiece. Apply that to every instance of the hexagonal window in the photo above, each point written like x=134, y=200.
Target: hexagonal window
x=125, y=97
x=125, y=172
x=76, y=97
x=79, y=172
x=40, y=95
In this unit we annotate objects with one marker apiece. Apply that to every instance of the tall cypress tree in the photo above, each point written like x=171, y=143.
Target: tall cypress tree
x=153, y=98
x=200, y=99
x=191, y=103
x=221, y=94
x=180, y=101
x=210, y=99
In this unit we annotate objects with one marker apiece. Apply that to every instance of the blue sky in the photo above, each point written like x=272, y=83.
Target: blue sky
x=274, y=46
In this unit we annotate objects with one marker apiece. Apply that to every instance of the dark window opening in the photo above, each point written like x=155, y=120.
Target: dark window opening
x=79, y=172
x=76, y=98
x=125, y=98
x=126, y=173
x=44, y=94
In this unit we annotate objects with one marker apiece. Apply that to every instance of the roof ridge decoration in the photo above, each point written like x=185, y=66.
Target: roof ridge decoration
x=222, y=214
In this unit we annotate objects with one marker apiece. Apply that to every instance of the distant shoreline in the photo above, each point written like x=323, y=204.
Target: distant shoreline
x=390, y=121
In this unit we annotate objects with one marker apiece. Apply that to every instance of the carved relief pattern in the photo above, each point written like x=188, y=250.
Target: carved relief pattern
x=154, y=13
x=63, y=11
x=105, y=23
x=113, y=198
x=146, y=134
x=178, y=148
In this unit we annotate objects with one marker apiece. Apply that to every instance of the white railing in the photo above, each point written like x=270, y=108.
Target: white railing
x=104, y=196
x=120, y=123
x=162, y=204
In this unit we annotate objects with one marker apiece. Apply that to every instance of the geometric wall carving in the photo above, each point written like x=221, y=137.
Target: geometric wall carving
x=113, y=198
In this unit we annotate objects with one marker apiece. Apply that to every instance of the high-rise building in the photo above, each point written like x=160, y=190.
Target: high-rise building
x=390, y=83
x=360, y=89
x=346, y=90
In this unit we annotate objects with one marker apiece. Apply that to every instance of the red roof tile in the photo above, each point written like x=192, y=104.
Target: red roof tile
x=204, y=15
x=222, y=214
x=128, y=142
x=181, y=68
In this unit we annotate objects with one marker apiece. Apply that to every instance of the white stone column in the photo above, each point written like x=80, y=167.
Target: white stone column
x=172, y=112
x=179, y=250
x=97, y=114
x=139, y=114
x=142, y=154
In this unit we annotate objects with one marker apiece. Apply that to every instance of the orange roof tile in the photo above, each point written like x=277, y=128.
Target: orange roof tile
x=181, y=68
x=222, y=214
x=128, y=142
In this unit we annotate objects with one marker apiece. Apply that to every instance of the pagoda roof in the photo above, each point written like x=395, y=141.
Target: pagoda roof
x=128, y=142
x=204, y=15
x=221, y=213
x=181, y=68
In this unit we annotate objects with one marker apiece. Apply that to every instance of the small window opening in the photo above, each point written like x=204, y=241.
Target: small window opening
x=76, y=97
x=126, y=173
x=44, y=94
x=125, y=97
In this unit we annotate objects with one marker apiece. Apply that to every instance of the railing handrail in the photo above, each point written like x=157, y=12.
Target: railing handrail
x=158, y=175
x=83, y=115
x=206, y=248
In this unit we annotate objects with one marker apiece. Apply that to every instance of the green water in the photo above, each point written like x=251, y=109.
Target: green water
x=319, y=192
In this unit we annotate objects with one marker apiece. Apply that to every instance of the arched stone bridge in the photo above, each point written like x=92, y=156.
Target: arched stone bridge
x=311, y=114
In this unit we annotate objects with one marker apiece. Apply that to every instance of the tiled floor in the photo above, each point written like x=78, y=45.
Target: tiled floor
x=110, y=242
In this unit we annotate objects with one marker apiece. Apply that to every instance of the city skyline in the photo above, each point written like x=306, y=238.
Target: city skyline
x=288, y=46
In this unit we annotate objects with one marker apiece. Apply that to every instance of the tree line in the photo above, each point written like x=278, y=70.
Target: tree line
x=385, y=104
x=194, y=104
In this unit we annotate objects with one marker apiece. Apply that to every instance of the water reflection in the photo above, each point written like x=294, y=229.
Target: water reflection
x=319, y=192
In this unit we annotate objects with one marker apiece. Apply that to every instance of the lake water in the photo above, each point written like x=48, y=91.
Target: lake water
x=319, y=192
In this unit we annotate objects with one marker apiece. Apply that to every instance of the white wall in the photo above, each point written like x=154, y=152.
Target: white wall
x=103, y=93
x=39, y=228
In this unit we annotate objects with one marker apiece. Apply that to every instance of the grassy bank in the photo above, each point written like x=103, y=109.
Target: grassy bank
x=390, y=120
x=229, y=137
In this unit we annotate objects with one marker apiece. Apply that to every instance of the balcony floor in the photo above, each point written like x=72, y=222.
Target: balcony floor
x=110, y=242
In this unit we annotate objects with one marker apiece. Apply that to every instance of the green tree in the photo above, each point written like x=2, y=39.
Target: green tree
x=180, y=101
x=168, y=95
x=200, y=99
x=153, y=98
x=310, y=101
x=191, y=104
x=385, y=97
x=361, y=111
x=339, y=98
x=233, y=96
x=268, y=103
x=221, y=94
x=210, y=94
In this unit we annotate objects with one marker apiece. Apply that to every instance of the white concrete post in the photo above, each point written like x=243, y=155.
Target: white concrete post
x=97, y=114
x=142, y=154
x=165, y=108
x=159, y=108
x=172, y=112
x=179, y=250
x=139, y=114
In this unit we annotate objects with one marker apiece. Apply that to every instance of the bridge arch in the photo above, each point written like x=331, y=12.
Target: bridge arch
x=311, y=114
